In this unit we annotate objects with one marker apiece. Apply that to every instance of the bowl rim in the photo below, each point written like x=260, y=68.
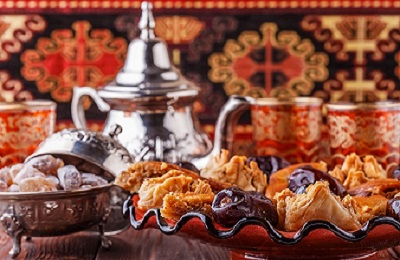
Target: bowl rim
x=293, y=101
x=53, y=195
x=30, y=105
x=372, y=106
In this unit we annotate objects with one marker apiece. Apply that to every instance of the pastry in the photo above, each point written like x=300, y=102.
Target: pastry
x=153, y=190
x=355, y=171
x=176, y=205
x=235, y=171
x=133, y=177
x=370, y=207
x=318, y=203
x=384, y=187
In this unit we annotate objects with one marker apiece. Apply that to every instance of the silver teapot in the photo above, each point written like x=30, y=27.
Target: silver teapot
x=151, y=101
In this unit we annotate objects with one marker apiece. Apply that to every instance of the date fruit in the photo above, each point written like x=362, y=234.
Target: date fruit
x=232, y=204
x=269, y=163
x=396, y=173
x=393, y=208
x=302, y=177
x=188, y=166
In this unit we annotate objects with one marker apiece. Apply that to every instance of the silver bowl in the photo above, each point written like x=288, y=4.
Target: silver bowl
x=37, y=214
x=96, y=153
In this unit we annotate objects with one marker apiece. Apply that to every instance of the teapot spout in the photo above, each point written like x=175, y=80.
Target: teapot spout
x=225, y=126
x=201, y=162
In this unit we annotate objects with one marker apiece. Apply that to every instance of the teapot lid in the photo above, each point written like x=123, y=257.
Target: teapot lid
x=148, y=70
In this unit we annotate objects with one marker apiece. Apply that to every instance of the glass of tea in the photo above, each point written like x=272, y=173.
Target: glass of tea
x=23, y=126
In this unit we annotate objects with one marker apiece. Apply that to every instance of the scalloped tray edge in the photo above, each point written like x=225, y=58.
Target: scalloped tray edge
x=276, y=235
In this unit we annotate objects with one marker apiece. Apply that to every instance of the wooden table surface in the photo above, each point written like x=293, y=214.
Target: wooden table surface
x=131, y=244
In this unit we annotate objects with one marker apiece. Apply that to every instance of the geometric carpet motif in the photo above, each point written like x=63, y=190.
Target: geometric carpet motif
x=272, y=48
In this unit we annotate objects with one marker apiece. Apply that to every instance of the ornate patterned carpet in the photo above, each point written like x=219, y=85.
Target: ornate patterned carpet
x=337, y=50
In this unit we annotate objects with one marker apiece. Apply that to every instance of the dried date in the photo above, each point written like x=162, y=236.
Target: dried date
x=269, y=163
x=302, y=177
x=233, y=204
x=188, y=166
x=393, y=208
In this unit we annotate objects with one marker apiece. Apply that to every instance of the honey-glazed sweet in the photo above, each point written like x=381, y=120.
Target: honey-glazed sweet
x=387, y=188
x=176, y=191
x=370, y=207
x=153, y=190
x=132, y=178
x=356, y=171
x=175, y=205
x=175, y=194
x=235, y=171
x=318, y=203
x=364, y=176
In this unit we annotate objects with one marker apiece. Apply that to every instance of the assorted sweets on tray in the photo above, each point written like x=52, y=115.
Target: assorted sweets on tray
x=269, y=188
x=229, y=189
x=46, y=174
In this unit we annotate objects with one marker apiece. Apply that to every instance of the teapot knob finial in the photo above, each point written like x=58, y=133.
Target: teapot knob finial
x=115, y=130
x=147, y=22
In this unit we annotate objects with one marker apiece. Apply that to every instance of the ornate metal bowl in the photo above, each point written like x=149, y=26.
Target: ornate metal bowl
x=36, y=214
x=96, y=153
x=56, y=213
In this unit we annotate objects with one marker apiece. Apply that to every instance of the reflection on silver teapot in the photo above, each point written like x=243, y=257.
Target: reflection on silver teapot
x=151, y=101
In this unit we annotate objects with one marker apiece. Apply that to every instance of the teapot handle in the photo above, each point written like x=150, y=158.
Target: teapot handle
x=227, y=121
x=77, y=111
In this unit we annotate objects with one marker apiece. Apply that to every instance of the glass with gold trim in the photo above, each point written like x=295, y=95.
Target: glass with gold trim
x=365, y=129
x=23, y=126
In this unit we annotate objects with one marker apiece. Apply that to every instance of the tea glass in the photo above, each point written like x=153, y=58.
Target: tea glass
x=289, y=128
x=23, y=126
x=365, y=129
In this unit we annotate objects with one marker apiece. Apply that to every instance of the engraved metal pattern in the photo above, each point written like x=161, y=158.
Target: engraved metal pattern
x=52, y=213
x=163, y=148
x=150, y=99
x=10, y=223
x=90, y=152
